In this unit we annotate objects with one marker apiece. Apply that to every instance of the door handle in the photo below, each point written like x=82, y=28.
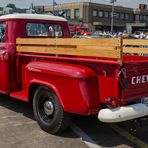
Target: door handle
x=3, y=56
x=3, y=52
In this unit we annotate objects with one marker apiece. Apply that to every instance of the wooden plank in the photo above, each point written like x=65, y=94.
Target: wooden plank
x=35, y=41
x=87, y=42
x=68, y=41
x=71, y=51
x=92, y=47
x=77, y=46
x=135, y=42
x=135, y=50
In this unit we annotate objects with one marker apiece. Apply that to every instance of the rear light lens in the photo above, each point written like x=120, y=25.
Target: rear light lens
x=112, y=102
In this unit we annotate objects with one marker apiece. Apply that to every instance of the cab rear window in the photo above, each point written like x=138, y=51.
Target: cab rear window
x=44, y=30
x=2, y=31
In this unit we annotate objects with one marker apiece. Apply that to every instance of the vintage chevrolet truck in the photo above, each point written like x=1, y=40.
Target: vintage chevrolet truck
x=61, y=76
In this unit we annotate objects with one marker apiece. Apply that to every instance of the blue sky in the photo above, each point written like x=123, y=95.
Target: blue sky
x=26, y=3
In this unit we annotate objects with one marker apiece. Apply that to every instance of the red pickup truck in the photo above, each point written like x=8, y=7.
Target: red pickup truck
x=40, y=63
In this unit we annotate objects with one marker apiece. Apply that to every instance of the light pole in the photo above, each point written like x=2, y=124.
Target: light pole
x=112, y=15
x=53, y=6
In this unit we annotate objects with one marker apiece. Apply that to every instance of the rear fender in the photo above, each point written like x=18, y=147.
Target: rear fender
x=75, y=85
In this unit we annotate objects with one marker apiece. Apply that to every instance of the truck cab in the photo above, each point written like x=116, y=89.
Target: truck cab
x=24, y=26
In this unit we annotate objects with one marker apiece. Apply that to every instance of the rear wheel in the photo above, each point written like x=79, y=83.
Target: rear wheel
x=48, y=111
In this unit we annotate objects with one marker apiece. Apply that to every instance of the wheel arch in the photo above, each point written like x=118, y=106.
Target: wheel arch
x=34, y=84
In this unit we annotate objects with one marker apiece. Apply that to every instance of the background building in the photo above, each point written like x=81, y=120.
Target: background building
x=140, y=19
x=98, y=16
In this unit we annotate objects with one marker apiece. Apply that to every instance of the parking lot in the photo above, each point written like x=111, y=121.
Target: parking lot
x=18, y=129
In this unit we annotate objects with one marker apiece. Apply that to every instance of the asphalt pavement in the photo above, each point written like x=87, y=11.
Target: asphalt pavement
x=18, y=129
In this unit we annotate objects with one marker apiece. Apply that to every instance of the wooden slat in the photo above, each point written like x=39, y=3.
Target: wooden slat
x=79, y=51
x=88, y=42
x=135, y=42
x=69, y=41
x=74, y=47
x=135, y=50
x=92, y=47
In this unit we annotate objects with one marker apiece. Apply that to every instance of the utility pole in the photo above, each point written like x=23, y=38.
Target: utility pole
x=112, y=15
x=53, y=6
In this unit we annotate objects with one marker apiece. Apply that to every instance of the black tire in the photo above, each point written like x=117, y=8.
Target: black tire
x=53, y=120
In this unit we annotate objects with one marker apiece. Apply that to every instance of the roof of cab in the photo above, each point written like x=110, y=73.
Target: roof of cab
x=32, y=16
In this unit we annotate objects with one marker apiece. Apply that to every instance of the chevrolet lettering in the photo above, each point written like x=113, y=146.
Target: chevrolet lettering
x=139, y=79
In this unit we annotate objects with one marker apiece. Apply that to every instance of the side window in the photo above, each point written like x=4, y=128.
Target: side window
x=2, y=32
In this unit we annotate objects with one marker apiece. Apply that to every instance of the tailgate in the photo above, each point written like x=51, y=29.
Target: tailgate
x=137, y=75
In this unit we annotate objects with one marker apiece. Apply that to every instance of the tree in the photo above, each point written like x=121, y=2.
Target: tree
x=11, y=6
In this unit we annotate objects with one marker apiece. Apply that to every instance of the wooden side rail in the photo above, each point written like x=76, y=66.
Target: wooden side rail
x=135, y=46
x=106, y=48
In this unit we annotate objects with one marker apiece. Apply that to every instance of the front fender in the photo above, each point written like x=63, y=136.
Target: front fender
x=76, y=85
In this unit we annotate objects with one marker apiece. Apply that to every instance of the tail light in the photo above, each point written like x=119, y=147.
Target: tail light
x=112, y=102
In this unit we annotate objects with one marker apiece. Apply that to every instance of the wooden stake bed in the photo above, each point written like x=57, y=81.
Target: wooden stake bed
x=106, y=48
x=75, y=47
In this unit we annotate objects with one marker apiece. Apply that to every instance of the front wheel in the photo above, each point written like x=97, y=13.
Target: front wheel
x=48, y=112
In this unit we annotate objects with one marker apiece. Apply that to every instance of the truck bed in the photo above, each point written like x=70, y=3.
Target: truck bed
x=107, y=56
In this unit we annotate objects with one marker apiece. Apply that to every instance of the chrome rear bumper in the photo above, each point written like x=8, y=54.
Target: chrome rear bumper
x=123, y=113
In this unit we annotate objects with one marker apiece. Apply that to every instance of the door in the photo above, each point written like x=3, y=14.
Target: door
x=4, y=71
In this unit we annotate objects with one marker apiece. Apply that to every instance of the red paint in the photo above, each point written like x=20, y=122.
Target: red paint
x=4, y=75
x=82, y=85
x=72, y=82
x=135, y=91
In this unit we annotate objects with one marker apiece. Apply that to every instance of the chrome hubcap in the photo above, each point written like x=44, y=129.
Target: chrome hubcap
x=48, y=108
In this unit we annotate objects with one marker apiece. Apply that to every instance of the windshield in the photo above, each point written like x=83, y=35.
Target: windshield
x=2, y=31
